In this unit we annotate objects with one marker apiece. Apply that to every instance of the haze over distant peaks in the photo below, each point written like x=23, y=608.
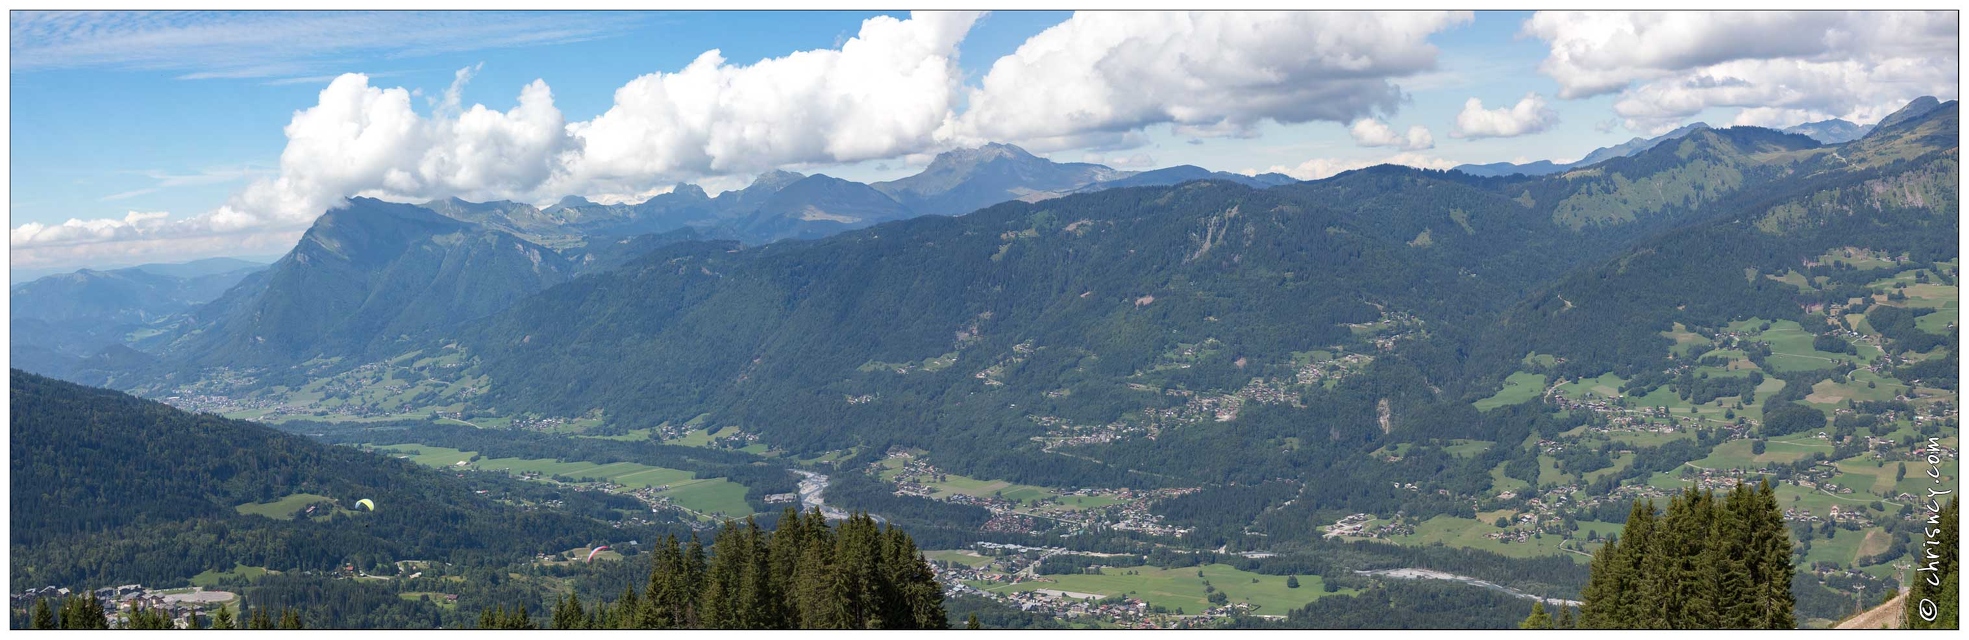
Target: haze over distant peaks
x=1833, y=131
x=1602, y=154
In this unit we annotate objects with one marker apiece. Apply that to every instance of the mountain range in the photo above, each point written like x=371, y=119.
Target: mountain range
x=376, y=273
x=1602, y=154
x=1174, y=361
x=58, y=319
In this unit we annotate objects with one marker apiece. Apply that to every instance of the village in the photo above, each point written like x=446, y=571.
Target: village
x=120, y=601
x=1007, y=566
x=1070, y=511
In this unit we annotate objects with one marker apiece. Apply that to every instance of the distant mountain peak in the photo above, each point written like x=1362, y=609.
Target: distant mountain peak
x=1631, y=147
x=776, y=178
x=1834, y=131
x=1914, y=109
x=688, y=190
x=964, y=159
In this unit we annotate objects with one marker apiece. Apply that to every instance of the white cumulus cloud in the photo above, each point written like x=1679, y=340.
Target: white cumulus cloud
x=1778, y=68
x=892, y=91
x=1320, y=168
x=1100, y=76
x=1369, y=132
x=888, y=91
x=1530, y=115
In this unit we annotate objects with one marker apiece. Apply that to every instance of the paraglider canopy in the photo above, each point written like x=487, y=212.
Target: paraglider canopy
x=592, y=552
x=365, y=502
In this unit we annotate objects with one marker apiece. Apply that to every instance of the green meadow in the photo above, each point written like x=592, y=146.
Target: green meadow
x=706, y=495
x=1182, y=588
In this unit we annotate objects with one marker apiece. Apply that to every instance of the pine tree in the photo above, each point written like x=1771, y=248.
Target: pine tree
x=44, y=618
x=223, y=619
x=568, y=613
x=82, y=611
x=1704, y=564
x=665, y=601
x=1565, y=618
x=1538, y=618
x=786, y=543
x=1771, y=550
x=758, y=602
x=1292, y=582
x=817, y=587
x=259, y=621
x=291, y=619
x=805, y=575
x=858, y=557
x=729, y=555
x=626, y=614
x=1689, y=576
x=919, y=598
x=1604, y=589
x=972, y=622
x=692, y=583
x=1733, y=561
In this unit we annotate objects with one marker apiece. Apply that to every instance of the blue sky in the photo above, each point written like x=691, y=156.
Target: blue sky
x=120, y=118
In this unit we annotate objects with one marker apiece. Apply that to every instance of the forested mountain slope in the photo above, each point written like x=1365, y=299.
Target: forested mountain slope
x=66, y=318
x=363, y=277
x=111, y=489
x=1892, y=192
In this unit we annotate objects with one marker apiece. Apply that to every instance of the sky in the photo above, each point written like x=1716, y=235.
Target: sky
x=162, y=137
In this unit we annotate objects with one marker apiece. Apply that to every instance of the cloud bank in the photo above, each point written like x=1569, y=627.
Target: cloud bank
x=1777, y=68
x=1099, y=77
x=894, y=90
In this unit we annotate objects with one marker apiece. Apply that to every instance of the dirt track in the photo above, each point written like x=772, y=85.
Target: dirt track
x=1886, y=616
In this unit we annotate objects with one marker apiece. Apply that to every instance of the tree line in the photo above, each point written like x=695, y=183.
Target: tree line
x=803, y=574
x=1707, y=562
x=85, y=612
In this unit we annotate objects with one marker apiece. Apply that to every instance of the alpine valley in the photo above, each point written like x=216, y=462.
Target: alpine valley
x=1092, y=397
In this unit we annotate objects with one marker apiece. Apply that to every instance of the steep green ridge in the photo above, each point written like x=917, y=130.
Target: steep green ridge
x=364, y=277
x=1713, y=272
x=111, y=489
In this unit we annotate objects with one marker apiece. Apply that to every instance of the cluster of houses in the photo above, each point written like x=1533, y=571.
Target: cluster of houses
x=1014, y=569
x=1334, y=369
x=121, y=600
x=206, y=403
x=1361, y=525
x=1063, y=433
x=1130, y=512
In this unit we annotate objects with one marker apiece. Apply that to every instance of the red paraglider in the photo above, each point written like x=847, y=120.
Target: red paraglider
x=592, y=552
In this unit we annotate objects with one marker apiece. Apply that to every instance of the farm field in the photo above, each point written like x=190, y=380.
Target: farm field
x=211, y=578
x=1182, y=588
x=964, y=557
x=285, y=507
x=1519, y=387
x=1468, y=533
x=709, y=496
